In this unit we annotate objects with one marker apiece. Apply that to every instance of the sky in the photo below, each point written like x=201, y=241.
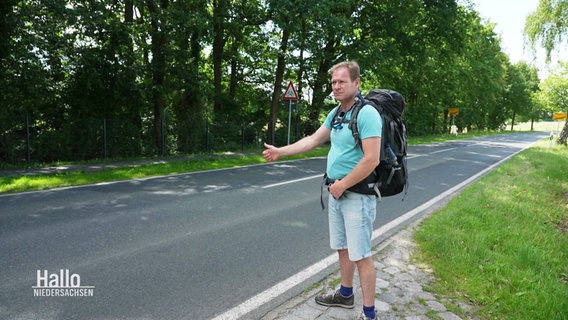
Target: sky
x=509, y=17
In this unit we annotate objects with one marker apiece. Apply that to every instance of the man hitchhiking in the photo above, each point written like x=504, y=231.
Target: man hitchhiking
x=351, y=214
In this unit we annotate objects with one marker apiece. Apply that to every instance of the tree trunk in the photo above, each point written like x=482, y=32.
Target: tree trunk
x=219, y=9
x=301, y=60
x=158, y=38
x=276, y=94
x=322, y=79
x=563, y=135
x=128, y=11
x=513, y=121
x=447, y=125
x=188, y=107
x=320, y=93
x=233, y=82
x=433, y=126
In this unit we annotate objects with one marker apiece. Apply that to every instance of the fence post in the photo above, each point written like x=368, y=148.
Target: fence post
x=207, y=136
x=105, y=138
x=242, y=137
x=163, y=137
x=28, y=153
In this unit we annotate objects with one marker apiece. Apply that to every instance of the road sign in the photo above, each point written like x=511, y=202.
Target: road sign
x=290, y=93
x=453, y=111
x=559, y=116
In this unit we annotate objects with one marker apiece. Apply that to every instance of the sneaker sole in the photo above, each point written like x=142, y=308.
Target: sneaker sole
x=346, y=306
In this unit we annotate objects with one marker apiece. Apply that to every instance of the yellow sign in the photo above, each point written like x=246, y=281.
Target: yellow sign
x=453, y=111
x=559, y=116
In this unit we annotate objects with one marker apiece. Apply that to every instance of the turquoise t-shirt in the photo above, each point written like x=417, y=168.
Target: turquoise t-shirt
x=344, y=155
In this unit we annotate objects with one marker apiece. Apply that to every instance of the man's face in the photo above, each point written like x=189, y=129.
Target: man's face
x=344, y=89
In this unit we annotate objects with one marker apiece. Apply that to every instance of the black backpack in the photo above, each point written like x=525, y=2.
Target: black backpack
x=390, y=177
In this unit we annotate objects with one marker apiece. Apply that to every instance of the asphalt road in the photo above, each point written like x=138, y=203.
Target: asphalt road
x=191, y=246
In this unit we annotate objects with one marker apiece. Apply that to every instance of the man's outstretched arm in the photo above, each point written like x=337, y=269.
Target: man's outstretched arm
x=321, y=136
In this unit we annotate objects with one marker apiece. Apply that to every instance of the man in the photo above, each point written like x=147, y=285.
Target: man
x=351, y=214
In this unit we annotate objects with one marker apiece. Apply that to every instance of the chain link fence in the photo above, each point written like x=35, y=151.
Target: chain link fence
x=31, y=141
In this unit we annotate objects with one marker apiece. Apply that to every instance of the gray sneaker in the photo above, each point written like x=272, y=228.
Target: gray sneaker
x=335, y=299
x=362, y=316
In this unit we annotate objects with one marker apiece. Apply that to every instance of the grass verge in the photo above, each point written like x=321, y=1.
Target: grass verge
x=21, y=183
x=502, y=243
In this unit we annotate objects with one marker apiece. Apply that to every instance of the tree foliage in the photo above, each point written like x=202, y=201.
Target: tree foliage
x=522, y=83
x=101, y=78
x=553, y=96
x=548, y=27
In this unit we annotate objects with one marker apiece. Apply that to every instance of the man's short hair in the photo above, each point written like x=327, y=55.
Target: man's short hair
x=352, y=66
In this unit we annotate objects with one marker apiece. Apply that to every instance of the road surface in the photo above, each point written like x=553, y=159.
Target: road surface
x=191, y=246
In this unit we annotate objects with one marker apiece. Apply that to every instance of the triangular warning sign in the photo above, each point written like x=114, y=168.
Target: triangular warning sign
x=290, y=93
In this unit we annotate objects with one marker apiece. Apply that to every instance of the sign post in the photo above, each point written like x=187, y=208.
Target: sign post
x=453, y=112
x=558, y=117
x=290, y=94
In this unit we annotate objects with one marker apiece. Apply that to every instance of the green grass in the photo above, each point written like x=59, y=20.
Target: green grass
x=448, y=137
x=11, y=184
x=502, y=243
x=21, y=183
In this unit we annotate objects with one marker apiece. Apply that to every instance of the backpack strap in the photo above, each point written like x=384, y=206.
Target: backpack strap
x=323, y=184
x=360, y=102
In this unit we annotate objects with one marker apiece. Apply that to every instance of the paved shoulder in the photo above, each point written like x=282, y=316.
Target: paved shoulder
x=400, y=289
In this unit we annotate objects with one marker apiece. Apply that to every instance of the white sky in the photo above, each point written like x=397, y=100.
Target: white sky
x=509, y=17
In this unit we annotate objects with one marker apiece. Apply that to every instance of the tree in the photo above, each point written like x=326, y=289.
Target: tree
x=186, y=80
x=160, y=76
x=554, y=95
x=522, y=82
x=549, y=26
x=329, y=46
x=158, y=36
x=478, y=74
x=286, y=15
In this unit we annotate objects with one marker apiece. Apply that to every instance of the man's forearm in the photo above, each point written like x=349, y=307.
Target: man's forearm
x=301, y=146
x=361, y=171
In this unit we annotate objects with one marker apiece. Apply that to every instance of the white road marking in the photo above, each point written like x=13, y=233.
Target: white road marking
x=280, y=288
x=292, y=181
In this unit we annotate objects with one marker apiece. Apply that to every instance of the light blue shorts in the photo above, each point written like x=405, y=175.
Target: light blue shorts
x=351, y=223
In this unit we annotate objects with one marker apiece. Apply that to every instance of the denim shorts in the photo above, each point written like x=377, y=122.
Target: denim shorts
x=351, y=223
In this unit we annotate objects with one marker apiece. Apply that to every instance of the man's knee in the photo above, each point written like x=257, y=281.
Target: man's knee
x=365, y=262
